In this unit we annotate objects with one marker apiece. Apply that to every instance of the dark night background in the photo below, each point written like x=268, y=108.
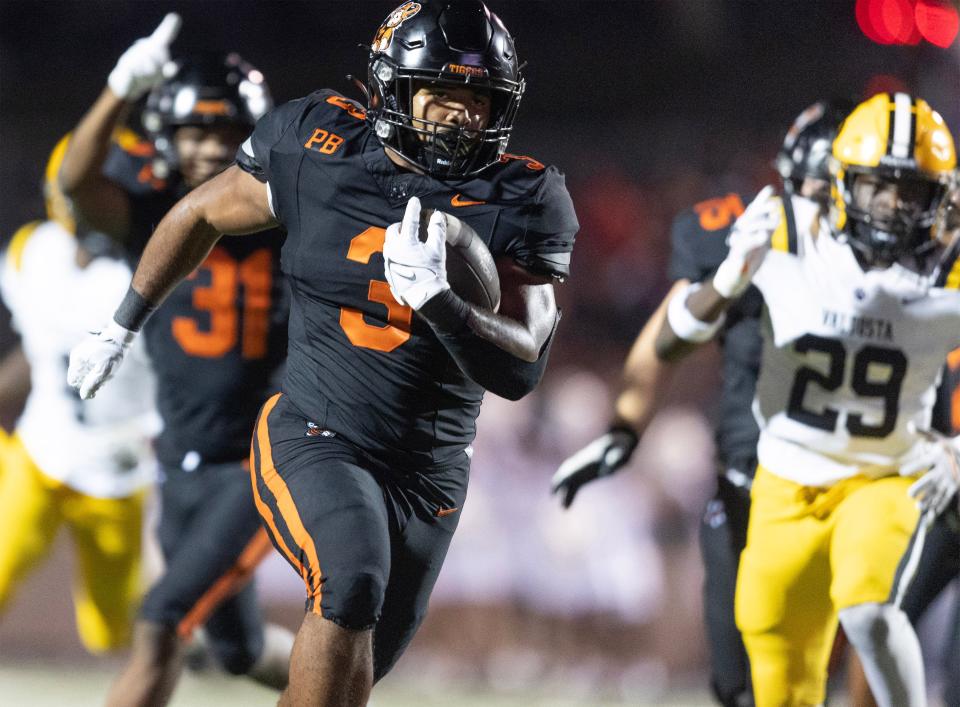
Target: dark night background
x=647, y=106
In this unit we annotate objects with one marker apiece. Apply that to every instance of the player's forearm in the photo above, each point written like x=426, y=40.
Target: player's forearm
x=89, y=142
x=505, y=356
x=181, y=242
x=644, y=375
x=705, y=307
x=233, y=202
x=14, y=386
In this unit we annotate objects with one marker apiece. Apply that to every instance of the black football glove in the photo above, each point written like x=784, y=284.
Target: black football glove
x=601, y=457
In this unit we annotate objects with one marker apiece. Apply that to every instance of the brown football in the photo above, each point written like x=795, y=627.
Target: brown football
x=471, y=270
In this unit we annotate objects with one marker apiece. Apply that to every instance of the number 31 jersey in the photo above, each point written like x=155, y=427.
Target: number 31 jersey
x=219, y=339
x=359, y=363
x=850, y=358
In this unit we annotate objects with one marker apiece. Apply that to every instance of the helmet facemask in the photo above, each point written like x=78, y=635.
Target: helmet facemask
x=455, y=43
x=890, y=215
x=439, y=149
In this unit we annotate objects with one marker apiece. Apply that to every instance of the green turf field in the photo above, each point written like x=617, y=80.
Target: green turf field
x=84, y=686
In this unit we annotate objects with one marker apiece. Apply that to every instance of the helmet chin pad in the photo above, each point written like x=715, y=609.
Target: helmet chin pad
x=882, y=243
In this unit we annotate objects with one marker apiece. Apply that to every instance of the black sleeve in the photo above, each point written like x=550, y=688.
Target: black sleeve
x=550, y=229
x=942, y=420
x=685, y=264
x=255, y=153
x=482, y=361
x=493, y=368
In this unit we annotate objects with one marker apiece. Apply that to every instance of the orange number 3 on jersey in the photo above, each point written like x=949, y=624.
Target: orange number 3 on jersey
x=399, y=316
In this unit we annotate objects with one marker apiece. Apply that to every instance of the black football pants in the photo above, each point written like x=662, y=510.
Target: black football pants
x=723, y=534
x=368, y=538
x=207, y=521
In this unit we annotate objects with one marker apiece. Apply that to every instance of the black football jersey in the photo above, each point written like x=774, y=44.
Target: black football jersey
x=360, y=364
x=219, y=338
x=946, y=411
x=699, y=244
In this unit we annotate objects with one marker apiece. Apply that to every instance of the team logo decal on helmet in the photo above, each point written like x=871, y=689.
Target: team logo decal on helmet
x=385, y=34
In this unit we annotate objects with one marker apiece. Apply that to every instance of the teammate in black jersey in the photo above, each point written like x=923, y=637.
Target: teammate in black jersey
x=360, y=465
x=215, y=347
x=698, y=240
x=938, y=562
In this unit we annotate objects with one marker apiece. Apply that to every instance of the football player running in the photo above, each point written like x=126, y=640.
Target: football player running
x=85, y=465
x=360, y=466
x=215, y=349
x=860, y=313
x=699, y=245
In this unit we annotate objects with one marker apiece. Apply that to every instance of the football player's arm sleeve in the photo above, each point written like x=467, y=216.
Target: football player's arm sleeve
x=546, y=235
x=684, y=236
x=499, y=353
x=255, y=155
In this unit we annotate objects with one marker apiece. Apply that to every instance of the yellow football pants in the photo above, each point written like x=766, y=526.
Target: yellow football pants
x=106, y=533
x=811, y=552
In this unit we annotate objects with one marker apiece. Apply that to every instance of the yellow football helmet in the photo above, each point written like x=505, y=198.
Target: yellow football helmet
x=893, y=161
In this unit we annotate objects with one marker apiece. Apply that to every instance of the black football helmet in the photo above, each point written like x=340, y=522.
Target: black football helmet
x=808, y=144
x=207, y=89
x=454, y=42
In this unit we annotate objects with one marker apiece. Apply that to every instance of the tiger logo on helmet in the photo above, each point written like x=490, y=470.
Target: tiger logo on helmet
x=892, y=164
x=396, y=18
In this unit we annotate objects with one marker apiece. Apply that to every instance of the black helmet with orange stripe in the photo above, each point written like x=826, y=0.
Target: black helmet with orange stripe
x=203, y=90
x=807, y=146
x=458, y=43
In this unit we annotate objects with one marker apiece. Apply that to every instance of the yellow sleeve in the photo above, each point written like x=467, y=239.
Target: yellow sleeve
x=19, y=243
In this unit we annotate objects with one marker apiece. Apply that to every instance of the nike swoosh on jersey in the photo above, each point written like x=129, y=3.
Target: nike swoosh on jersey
x=458, y=200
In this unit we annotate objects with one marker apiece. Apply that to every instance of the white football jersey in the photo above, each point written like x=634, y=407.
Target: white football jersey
x=100, y=447
x=850, y=358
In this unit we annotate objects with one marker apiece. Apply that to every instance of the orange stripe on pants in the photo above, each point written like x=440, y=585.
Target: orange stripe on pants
x=288, y=510
x=228, y=584
x=262, y=507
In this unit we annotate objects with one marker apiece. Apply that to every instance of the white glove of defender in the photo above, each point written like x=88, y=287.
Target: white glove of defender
x=749, y=242
x=416, y=271
x=140, y=68
x=95, y=359
x=938, y=485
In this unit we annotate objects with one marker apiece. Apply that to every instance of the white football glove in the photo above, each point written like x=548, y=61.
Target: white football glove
x=749, y=241
x=140, y=68
x=95, y=359
x=416, y=272
x=941, y=457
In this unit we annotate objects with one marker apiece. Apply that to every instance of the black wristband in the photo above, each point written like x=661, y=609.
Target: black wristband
x=625, y=436
x=133, y=311
x=446, y=312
